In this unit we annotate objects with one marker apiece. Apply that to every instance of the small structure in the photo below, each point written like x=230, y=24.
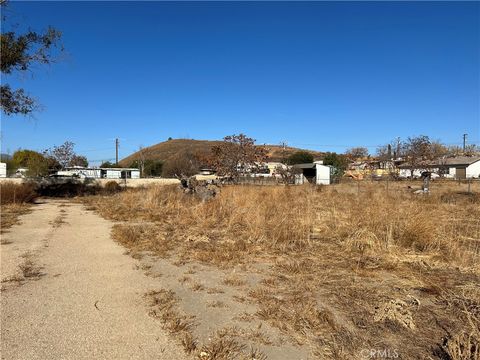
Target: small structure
x=3, y=170
x=120, y=173
x=315, y=173
x=101, y=173
x=458, y=167
x=273, y=166
x=81, y=172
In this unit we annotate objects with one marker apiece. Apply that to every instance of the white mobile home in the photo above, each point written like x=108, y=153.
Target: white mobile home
x=120, y=173
x=101, y=173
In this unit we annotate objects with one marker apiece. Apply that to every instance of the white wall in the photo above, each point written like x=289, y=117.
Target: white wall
x=3, y=170
x=473, y=170
x=135, y=174
x=323, y=174
x=114, y=174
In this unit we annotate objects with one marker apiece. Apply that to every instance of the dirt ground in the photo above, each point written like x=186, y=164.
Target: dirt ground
x=69, y=292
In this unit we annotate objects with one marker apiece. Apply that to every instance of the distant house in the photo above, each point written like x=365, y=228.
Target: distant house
x=273, y=166
x=315, y=173
x=3, y=170
x=458, y=167
x=101, y=173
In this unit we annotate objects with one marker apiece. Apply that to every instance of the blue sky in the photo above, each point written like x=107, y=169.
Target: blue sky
x=319, y=75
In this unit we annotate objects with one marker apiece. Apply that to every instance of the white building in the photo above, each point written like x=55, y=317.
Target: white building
x=3, y=170
x=458, y=167
x=315, y=172
x=101, y=173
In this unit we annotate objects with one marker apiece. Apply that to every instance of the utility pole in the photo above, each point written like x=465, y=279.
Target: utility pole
x=398, y=147
x=464, y=142
x=284, y=146
x=116, y=151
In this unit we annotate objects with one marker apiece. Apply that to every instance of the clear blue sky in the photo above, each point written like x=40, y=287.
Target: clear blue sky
x=319, y=75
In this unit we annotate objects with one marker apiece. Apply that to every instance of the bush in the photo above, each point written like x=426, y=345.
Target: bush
x=182, y=164
x=112, y=187
x=67, y=187
x=12, y=193
x=300, y=157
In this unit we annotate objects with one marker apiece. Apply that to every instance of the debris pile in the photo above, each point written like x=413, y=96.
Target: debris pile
x=204, y=189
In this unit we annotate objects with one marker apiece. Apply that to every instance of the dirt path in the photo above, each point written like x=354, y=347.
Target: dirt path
x=68, y=292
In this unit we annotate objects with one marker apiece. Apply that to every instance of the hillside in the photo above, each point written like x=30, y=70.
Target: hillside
x=168, y=149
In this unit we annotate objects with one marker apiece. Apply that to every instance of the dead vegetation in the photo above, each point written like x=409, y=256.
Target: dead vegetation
x=341, y=270
x=14, y=202
x=13, y=193
x=9, y=215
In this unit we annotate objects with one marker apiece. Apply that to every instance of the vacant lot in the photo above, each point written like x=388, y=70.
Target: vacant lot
x=345, y=271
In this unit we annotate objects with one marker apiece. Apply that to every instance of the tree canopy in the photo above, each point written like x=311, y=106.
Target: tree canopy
x=300, y=157
x=237, y=154
x=36, y=163
x=357, y=153
x=337, y=161
x=18, y=53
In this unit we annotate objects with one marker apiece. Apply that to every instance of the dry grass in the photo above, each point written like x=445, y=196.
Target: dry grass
x=12, y=193
x=234, y=280
x=164, y=307
x=9, y=215
x=346, y=268
x=58, y=221
x=249, y=220
x=14, y=200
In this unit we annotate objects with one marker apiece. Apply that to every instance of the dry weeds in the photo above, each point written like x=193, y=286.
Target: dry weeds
x=347, y=268
x=13, y=193
x=9, y=215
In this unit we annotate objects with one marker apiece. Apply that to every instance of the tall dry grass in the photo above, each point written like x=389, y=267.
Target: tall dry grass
x=12, y=193
x=14, y=201
x=347, y=265
x=285, y=219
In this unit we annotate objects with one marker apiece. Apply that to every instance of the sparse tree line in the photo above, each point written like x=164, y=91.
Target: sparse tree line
x=237, y=155
x=45, y=162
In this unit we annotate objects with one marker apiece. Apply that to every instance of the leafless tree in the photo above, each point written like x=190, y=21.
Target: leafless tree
x=357, y=153
x=63, y=154
x=142, y=157
x=181, y=165
x=417, y=150
x=287, y=173
x=236, y=155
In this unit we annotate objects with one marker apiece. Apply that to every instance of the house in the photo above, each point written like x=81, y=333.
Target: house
x=458, y=167
x=120, y=173
x=315, y=173
x=273, y=166
x=99, y=173
x=3, y=170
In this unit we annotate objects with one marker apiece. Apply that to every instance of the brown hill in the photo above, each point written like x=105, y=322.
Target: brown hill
x=168, y=149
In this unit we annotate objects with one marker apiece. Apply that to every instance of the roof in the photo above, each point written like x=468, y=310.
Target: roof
x=451, y=161
x=308, y=165
x=305, y=166
x=119, y=169
x=103, y=168
x=458, y=160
